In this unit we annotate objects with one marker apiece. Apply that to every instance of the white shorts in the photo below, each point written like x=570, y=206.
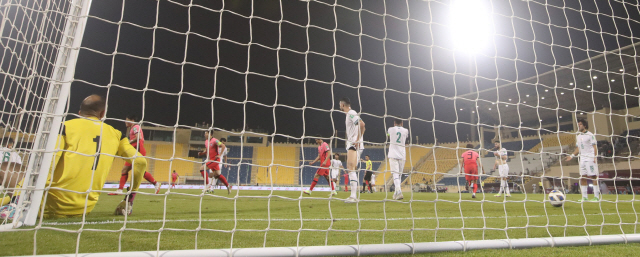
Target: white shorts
x=503, y=170
x=588, y=167
x=396, y=165
x=334, y=173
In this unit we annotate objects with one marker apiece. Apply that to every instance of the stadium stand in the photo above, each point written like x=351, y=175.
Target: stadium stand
x=165, y=151
x=431, y=167
x=282, y=155
x=162, y=169
x=553, y=140
x=453, y=181
x=246, y=152
x=235, y=177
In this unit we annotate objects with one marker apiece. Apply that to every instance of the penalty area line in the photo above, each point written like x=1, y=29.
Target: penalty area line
x=324, y=219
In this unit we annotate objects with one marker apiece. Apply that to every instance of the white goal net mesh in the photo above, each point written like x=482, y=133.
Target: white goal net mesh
x=268, y=77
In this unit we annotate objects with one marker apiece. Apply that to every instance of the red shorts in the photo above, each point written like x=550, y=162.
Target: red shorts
x=323, y=170
x=471, y=172
x=213, y=166
x=142, y=151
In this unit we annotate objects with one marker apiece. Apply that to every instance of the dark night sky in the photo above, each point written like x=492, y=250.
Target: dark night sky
x=171, y=93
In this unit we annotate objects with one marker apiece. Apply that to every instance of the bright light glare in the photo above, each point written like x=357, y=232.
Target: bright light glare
x=470, y=25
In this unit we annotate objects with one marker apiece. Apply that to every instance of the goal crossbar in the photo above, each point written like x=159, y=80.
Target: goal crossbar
x=377, y=249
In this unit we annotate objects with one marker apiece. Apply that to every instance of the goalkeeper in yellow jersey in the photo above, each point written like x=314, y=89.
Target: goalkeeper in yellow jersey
x=86, y=149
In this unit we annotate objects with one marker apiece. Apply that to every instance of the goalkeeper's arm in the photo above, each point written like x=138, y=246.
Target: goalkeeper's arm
x=139, y=162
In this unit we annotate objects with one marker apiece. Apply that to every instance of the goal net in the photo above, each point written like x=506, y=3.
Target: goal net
x=544, y=93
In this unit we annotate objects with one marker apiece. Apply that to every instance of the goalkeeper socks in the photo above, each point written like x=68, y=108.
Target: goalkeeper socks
x=123, y=179
x=596, y=191
x=333, y=185
x=206, y=178
x=475, y=188
x=224, y=180
x=584, y=191
x=313, y=184
x=149, y=177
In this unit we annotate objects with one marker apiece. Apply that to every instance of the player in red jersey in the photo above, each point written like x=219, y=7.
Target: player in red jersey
x=214, y=148
x=469, y=163
x=136, y=138
x=325, y=163
x=174, y=178
x=346, y=182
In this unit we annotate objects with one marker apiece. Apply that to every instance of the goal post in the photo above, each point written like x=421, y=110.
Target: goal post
x=53, y=112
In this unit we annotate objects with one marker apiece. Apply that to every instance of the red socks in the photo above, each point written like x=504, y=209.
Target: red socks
x=224, y=180
x=123, y=179
x=206, y=177
x=149, y=177
x=475, y=188
x=333, y=185
x=313, y=184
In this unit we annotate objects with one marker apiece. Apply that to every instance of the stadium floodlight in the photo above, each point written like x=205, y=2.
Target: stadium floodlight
x=470, y=25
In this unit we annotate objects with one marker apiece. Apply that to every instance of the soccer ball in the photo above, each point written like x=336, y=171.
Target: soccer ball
x=556, y=198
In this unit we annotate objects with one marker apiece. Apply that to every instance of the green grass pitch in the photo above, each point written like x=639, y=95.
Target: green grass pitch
x=458, y=217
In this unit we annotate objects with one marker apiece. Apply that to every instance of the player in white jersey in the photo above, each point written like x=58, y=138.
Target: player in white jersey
x=355, y=131
x=503, y=169
x=10, y=169
x=586, y=146
x=397, y=154
x=336, y=166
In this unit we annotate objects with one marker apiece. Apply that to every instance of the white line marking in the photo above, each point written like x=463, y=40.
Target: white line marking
x=326, y=219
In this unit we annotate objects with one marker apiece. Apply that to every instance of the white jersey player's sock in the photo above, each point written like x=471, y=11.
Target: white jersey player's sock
x=506, y=188
x=596, y=190
x=584, y=191
x=396, y=183
x=501, y=186
x=353, y=178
